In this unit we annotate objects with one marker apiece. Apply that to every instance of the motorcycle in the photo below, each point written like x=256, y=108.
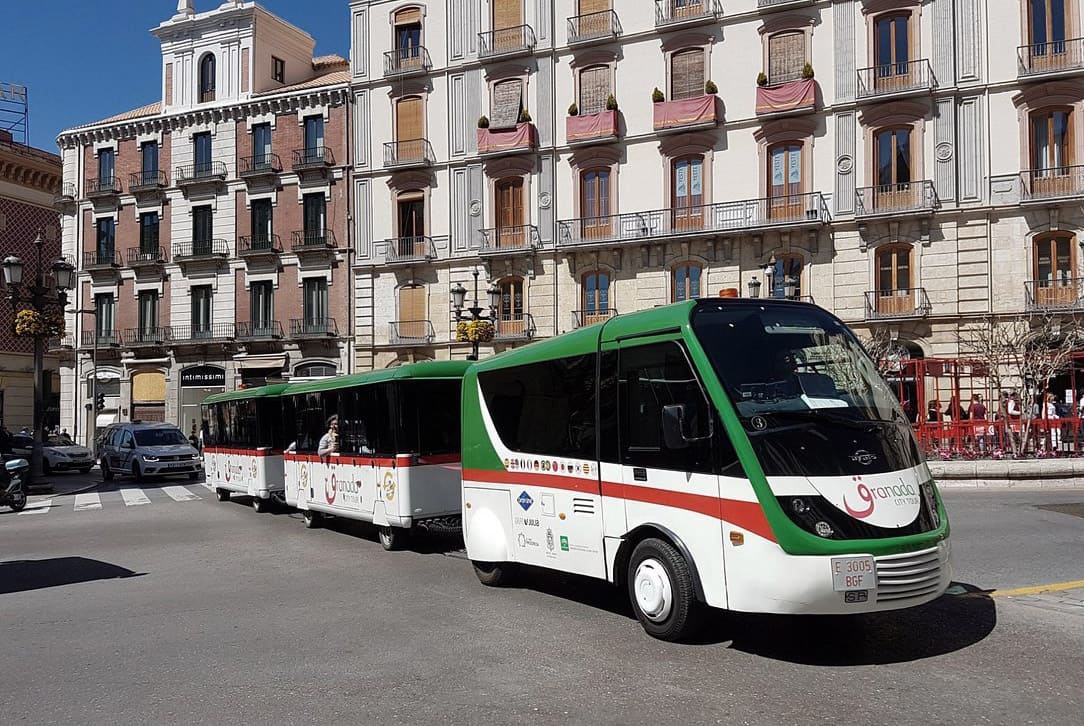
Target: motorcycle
x=13, y=476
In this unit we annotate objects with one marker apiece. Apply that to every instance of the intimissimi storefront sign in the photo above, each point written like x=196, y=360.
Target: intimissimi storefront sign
x=203, y=377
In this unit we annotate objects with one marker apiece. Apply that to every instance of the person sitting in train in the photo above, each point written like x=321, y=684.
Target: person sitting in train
x=329, y=442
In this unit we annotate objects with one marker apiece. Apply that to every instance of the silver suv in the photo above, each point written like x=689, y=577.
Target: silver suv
x=147, y=449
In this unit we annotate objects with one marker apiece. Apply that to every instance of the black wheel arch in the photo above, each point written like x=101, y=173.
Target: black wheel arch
x=647, y=531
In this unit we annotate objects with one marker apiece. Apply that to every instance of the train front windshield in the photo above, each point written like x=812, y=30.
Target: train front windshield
x=807, y=394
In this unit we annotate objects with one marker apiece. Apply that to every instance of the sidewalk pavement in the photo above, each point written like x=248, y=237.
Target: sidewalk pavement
x=66, y=483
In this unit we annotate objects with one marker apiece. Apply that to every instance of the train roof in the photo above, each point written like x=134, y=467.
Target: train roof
x=427, y=369
x=271, y=391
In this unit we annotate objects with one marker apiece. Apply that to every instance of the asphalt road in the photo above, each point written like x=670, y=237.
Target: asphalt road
x=184, y=610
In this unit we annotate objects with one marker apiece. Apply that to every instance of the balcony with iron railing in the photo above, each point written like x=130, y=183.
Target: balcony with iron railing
x=259, y=166
x=583, y=318
x=202, y=333
x=1042, y=185
x=411, y=332
x=259, y=245
x=309, y=328
x=409, y=250
x=208, y=172
x=514, y=327
x=101, y=260
x=669, y=13
x=63, y=343
x=505, y=42
x=256, y=331
x=201, y=249
x=104, y=338
x=66, y=195
x=896, y=79
x=408, y=61
x=313, y=240
x=794, y=211
x=1057, y=58
x=900, y=303
x=410, y=153
x=313, y=158
x=509, y=240
x=1061, y=293
x=147, y=337
x=769, y=5
x=100, y=188
x=901, y=198
x=147, y=256
x=591, y=27
x=149, y=181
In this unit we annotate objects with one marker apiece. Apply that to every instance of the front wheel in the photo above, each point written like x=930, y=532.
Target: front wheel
x=223, y=495
x=46, y=467
x=393, y=538
x=662, y=592
x=85, y=470
x=137, y=472
x=495, y=574
x=193, y=475
x=17, y=502
x=107, y=473
x=260, y=505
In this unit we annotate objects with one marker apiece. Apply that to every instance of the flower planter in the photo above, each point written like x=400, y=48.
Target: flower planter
x=594, y=127
x=792, y=97
x=504, y=141
x=687, y=113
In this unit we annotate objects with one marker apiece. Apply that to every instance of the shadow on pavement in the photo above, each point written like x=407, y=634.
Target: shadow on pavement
x=23, y=575
x=420, y=542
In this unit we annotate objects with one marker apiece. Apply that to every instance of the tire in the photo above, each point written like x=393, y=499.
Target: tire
x=260, y=505
x=311, y=519
x=192, y=476
x=46, y=467
x=495, y=574
x=393, y=538
x=137, y=472
x=223, y=495
x=85, y=470
x=107, y=473
x=17, y=501
x=662, y=592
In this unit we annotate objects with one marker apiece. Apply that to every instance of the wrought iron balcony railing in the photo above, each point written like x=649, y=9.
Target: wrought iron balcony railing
x=105, y=186
x=314, y=240
x=678, y=12
x=893, y=199
x=893, y=79
x=907, y=302
x=411, y=332
x=145, y=256
x=1059, y=56
x=255, y=245
x=1061, y=182
x=1061, y=293
x=593, y=26
x=583, y=318
x=201, y=173
x=66, y=194
x=147, y=181
x=313, y=328
x=414, y=152
x=201, y=249
x=105, y=338
x=407, y=61
x=409, y=249
x=65, y=342
x=259, y=165
x=506, y=41
x=792, y=210
x=259, y=330
x=202, y=333
x=514, y=327
x=502, y=240
x=147, y=337
x=313, y=157
x=100, y=259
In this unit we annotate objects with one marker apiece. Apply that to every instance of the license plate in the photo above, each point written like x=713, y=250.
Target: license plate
x=853, y=573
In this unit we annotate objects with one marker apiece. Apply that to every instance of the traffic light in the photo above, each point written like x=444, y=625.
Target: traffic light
x=99, y=402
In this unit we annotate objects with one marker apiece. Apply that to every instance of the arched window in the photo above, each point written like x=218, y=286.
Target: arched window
x=595, y=203
x=895, y=283
x=787, y=272
x=316, y=369
x=687, y=78
x=596, y=297
x=207, y=78
x=511, y=311
x=685, y=281
x=408, y=38
x=892, y=51
x=1055, y=270
x=594, y=89
x=510, y=218
x=687, y=192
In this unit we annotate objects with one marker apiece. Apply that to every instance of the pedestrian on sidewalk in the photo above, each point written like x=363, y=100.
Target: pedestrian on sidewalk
x=977, y=414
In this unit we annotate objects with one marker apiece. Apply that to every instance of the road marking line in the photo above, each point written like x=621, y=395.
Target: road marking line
x=134, y=497
x=38, y=507
x=180, y=494
x=84, y=502
x=1039, y=589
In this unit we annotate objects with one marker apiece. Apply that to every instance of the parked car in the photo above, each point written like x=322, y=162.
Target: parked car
x=58, y=453
x=142, y=450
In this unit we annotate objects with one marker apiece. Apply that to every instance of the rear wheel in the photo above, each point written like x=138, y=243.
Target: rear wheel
x=17, y=501
x=495, y=574
x=46, y=467
x=107, y=473
x=260, y=505
x=311, y=518
x=662, y=591
x=393, y=538
x=85, y=469
x=222, y=494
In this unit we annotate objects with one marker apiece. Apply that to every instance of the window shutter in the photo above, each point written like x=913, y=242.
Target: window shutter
x=507, y=101
x=408, y=16
x=594, y=89
x=786, y=56
x=687, y=74
x=507, y=14
x=408, y=119
x=593, y=6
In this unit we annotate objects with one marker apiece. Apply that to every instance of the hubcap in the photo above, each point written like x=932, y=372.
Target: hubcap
x=654, y=593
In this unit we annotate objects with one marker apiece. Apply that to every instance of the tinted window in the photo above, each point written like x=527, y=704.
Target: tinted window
x=366, y=425
x=312, y=412
x=544, y=408
x=158, y=437
x=429, y=417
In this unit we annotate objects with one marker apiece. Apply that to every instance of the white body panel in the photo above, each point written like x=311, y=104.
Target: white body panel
x=257, y=473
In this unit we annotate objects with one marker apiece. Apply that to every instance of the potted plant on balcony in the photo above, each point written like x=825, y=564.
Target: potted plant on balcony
x=483, y=122
x=657, y=96
x=611, y=102
x=807, y=71
x=524, y=116
x=762, y=79
x=573, y=110
x=710, y=88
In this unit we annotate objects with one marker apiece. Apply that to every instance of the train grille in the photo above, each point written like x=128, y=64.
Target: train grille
x=909, y=576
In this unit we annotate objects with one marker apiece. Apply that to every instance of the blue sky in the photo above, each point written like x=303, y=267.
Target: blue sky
x=83, y=60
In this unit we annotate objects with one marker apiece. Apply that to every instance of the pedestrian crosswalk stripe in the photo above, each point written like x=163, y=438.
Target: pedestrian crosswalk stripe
x=180, y=494
x=38, y=507
x=87, y=501
x=134, y=497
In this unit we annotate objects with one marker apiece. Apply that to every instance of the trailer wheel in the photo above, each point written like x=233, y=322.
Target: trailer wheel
x=393, y=538
x=260, y=505
x=223, y=495
x=662, y=592
x=311, y=519
x=495, y=574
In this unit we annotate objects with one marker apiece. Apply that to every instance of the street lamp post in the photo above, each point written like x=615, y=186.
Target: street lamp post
x=459, y=296
x=40, y=298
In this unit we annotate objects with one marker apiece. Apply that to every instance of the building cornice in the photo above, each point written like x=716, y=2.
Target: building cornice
x=29, y=167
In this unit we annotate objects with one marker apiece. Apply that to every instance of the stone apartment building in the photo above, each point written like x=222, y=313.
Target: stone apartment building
x=210, y=227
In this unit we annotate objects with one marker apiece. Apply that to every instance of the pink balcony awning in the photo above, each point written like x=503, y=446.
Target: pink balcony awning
x=801, y=94
x=686, y=112
x=495, y=140
x=594, y=126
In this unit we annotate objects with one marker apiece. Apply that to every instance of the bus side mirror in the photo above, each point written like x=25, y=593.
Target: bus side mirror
x=673, y=423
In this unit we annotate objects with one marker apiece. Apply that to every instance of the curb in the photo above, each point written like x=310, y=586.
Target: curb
x=1065, y=484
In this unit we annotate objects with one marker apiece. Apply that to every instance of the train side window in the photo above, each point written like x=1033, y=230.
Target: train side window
x=311, y=422
x=609, y=451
